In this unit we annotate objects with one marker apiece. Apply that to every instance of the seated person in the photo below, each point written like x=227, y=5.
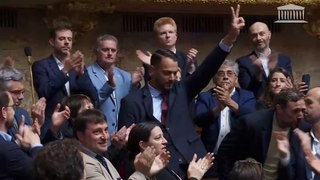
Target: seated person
x=148, y=134
x=59, y=160
x=91, y=130
x=246, y=169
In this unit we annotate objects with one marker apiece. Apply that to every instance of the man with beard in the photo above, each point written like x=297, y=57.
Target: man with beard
x=218, y=109
x=61, y=74
x=266, y=136
x=14, y=163
x=13, y=82
x=167, y=102
x=255, y=67
x=308, y=165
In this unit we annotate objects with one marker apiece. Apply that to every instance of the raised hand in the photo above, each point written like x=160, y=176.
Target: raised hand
x=78, y=55
x=137, y=76
x=237, y=23
x=303, y=87
x=38, y=111
x=59, y=118
x=118, y=139
x=110, y=75
x=305, y=140
x=26, y=137
x=191, y=60
x=144, y=58
x=160, y=162
x=282, y=143
x=73, y=62
x=143, y=161
x=197, y=168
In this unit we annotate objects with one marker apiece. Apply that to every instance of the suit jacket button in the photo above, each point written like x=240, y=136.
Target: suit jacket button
x=113, y=110
x=113, y=124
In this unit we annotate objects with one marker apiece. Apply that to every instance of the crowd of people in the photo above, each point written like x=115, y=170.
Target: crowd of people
x=98, y=122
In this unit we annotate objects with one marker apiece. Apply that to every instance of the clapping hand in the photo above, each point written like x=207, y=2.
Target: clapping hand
x=197, y=168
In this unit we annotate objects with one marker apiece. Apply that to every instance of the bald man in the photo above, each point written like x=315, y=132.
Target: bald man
x=255, y=67
x=310, y=142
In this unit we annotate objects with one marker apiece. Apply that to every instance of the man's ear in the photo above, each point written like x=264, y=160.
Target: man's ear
x=80, y=136
x=151, y=70
x=51, y=42
x=3, y=112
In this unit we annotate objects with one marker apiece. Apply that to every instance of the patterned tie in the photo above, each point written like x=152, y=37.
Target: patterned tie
x=104, y=163
x=164, y=108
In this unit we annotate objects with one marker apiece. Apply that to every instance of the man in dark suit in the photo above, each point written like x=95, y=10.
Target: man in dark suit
x=13, y=80
x=165, y=29
x=255, y=67
x=217, y=109
x=14, y=163
x=165, y=101
x=307, y=167
x=61, y=74
x=265, y=136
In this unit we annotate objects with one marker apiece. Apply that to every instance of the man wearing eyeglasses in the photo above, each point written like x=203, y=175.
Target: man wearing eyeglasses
x=218, y=108
x=14, y=163
x=12, y=79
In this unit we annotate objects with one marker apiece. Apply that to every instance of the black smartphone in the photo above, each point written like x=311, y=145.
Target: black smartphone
x=306, y=79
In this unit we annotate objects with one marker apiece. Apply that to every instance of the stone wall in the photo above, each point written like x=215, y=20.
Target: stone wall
x=33, y=32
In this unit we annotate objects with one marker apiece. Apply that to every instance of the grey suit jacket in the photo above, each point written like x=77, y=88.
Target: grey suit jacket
x=109, y=104
x=95, y=170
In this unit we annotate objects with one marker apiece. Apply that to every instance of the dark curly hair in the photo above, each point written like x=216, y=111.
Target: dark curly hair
x=59, y=160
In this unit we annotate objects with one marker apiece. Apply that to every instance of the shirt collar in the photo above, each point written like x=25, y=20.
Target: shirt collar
x=314, y=138
x=154, y=92
x=88, y=152
x=59, y=63
x=5, y=136
x=259, y=54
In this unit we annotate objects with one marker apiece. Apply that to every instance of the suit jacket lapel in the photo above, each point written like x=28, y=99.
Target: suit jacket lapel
x=266, y=134
x=147, y=102
x=253, y=58
x=55, y=69
x=171, y=99
x=118, y=79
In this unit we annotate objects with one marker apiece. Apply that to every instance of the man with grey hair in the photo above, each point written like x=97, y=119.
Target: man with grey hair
x=111, y=82
x=217, y=109
x=12, y=81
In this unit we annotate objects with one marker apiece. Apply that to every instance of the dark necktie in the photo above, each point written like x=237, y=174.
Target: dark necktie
x=164, y=108
x=104, y=163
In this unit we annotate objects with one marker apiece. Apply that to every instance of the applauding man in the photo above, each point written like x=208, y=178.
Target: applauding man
x=61, y=74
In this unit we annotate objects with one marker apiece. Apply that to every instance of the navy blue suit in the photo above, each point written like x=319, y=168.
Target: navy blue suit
x=247, y=71
x=14, y=163
x=49, y=82
x=18, y=113
x=211, y=125
x=183, y=141
x=250, y=137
